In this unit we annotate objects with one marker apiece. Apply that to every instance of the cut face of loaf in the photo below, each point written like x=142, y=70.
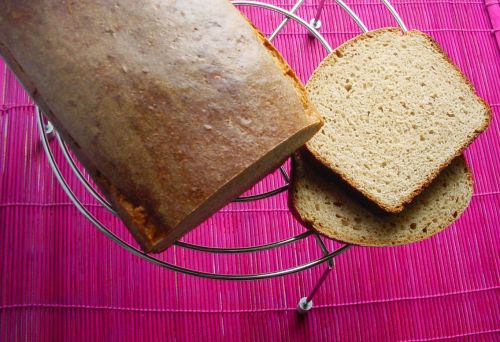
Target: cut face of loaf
x=174, y=107
x=396, y=112
x=328, y=205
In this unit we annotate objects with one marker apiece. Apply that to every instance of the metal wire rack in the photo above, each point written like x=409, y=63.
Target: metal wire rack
x=47, y=133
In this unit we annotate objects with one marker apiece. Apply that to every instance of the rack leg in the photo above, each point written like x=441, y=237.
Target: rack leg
x=306, y=303
x=319, y=10
x=315, y=22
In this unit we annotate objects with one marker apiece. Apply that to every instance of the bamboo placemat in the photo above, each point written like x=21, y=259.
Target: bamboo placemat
x=61, y=279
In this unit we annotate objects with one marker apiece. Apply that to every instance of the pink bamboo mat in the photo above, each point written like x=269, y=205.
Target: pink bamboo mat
x=60, y=279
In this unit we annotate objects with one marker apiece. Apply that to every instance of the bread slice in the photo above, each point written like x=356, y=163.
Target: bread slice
x=173, y=107
x=328, y=205
x=397, y=111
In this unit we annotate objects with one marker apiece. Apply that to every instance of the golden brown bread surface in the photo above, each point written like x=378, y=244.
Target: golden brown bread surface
x=174, y=107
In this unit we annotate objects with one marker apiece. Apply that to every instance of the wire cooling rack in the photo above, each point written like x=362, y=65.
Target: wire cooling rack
x=47, y=133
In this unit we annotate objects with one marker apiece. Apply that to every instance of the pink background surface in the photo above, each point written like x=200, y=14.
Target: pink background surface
x=62, y=279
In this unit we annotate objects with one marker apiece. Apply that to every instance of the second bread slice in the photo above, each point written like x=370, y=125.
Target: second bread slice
x=330, y=207
x=396, y=112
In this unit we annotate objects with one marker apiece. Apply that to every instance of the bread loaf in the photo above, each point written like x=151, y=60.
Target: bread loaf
x=396, y=110
x=174, y=107
x=328, y=205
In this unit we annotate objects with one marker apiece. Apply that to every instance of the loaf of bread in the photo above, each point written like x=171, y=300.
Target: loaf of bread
x=397, y=111
x=323, y=202
x=174, y=107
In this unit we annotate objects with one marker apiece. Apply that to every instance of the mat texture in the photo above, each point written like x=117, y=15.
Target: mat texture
x=61, y=279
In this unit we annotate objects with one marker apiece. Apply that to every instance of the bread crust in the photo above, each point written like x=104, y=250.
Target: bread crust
x=428, y=180
x=174, y=107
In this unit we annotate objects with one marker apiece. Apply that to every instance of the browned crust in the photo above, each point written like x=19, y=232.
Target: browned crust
x=353, y=239
x=427, y=181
